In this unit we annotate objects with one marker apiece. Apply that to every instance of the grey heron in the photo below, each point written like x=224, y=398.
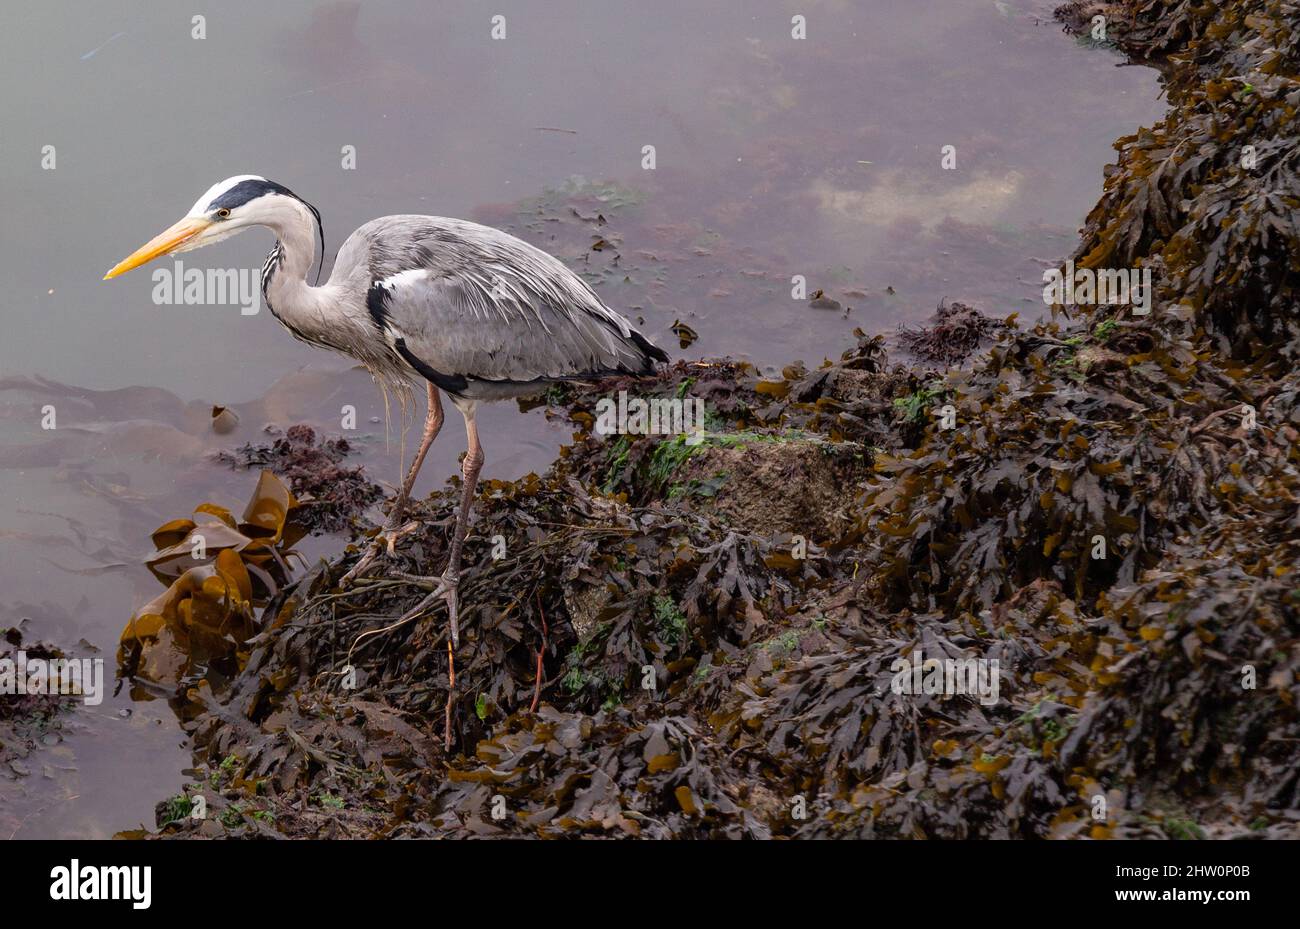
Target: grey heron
x=462, y=308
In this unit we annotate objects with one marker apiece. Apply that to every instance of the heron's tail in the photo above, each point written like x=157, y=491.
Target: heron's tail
x=649, y=351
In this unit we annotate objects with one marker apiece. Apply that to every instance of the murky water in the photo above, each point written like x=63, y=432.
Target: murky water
x=774, y=157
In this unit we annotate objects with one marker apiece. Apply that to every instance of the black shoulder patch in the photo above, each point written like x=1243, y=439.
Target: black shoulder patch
x=377, y=304
x=452, y=383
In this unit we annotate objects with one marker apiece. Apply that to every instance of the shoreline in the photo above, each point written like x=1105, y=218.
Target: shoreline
x=672, y=644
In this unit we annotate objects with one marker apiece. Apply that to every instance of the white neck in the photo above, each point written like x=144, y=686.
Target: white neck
x=331, y=316
x=290, y=296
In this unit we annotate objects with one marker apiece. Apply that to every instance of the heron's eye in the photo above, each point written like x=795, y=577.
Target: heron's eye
x=223, y=212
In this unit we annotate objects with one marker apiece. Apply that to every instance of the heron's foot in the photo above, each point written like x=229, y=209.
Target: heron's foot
x=444, y=587
x=384, y=541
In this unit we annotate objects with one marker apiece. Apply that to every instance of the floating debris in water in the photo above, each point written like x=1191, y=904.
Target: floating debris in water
x=224, y=420
x=685, y=334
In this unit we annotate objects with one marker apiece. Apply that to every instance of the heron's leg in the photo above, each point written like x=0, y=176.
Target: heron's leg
x=391, y=532
x=470, y=469
x=432, y=425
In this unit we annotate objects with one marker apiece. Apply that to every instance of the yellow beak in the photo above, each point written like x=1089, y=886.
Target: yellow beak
x=166, y=241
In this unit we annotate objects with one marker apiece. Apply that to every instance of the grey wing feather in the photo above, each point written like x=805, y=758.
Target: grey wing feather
x=472, y=301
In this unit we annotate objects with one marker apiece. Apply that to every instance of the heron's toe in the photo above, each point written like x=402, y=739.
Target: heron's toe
x=388, y=537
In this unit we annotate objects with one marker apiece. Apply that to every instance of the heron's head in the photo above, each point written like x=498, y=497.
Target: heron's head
x=228, y=207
